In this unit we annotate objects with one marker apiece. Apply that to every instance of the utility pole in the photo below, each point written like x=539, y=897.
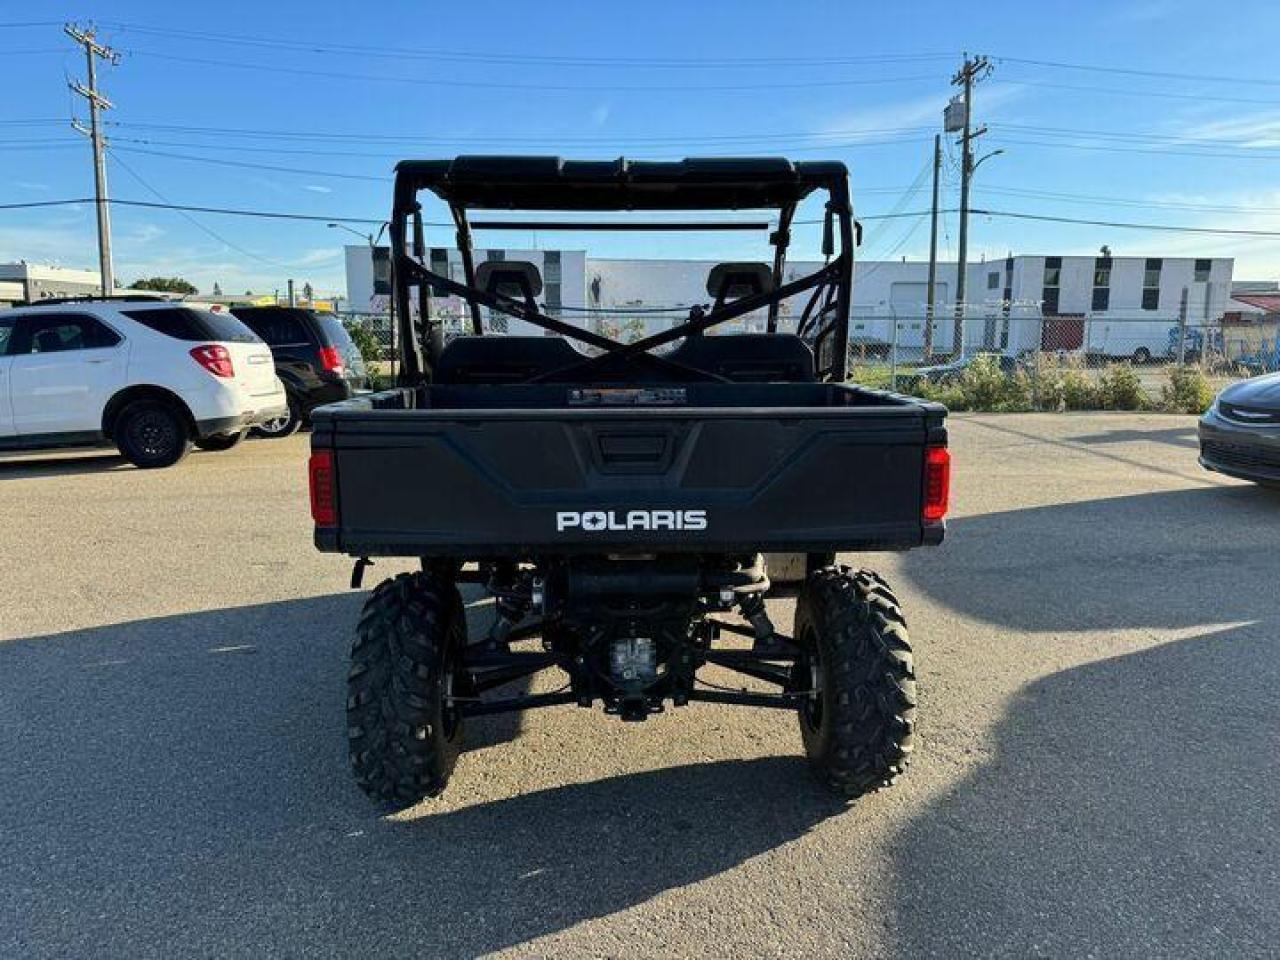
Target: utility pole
x=933, y=250
x=93, y=51
x=974, y=69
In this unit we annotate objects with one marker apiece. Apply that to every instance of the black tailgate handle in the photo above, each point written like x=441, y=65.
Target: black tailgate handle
x=632, y=449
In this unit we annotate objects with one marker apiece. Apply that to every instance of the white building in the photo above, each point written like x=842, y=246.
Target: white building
x=1114, y=306
x=31, y=281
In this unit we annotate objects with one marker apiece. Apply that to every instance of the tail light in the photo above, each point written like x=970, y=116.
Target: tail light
x=324, y=509
x=937, y=484
x=330, y=359
x=214, y=358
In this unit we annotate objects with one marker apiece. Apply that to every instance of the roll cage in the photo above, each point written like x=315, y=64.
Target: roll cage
x=472, y=183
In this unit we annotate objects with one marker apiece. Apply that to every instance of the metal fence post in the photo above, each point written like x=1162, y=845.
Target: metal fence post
x=893, y=349
x=1182, y=328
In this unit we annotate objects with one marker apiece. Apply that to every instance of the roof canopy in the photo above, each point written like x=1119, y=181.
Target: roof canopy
x=551, y=183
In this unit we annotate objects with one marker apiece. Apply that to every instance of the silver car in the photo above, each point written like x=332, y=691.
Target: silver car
x=1240, y=434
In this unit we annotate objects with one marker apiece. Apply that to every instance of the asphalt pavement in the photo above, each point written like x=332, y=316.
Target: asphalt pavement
x=1097, y=771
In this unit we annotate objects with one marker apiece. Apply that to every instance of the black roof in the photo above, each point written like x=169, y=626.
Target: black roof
x=552, y=183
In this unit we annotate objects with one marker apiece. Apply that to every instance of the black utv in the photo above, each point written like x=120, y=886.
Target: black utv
x=631, y=507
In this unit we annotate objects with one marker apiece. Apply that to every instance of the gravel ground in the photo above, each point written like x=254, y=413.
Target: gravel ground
x=1098, y=771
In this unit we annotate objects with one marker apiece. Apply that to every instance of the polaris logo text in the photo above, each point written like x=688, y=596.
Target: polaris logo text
x=604, y=521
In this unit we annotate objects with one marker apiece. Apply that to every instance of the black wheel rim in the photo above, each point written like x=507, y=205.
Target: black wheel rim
x=809, y=679
x=153, y=434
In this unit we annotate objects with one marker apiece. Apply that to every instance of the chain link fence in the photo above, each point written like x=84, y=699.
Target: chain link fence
x=1036, y=354
x=912, y=352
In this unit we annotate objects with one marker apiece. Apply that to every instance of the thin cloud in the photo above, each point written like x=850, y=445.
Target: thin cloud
x=316, y=188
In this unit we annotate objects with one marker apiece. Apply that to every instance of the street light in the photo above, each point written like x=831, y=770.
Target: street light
x=993, y=153
x=367, y=237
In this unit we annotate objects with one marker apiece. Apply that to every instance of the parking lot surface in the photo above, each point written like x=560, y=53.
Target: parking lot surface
x=1097, y=771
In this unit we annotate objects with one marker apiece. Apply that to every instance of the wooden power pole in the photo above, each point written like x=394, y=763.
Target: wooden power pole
x=93, y=52
x=974, y=69
x=933, y=251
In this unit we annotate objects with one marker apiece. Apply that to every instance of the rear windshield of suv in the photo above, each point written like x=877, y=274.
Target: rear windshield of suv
x=187, y=323
x=335, y=331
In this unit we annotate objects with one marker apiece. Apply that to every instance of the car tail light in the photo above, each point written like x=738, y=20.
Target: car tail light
x=331, y=359
x=214, y=358
x=324, y=509
x=937, y=484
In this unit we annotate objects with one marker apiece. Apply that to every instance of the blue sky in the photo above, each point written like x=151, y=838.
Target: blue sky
x=339, y=91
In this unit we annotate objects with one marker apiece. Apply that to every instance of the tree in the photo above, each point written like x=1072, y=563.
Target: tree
x=165, y=285
x=307, y=292
x=217, y=290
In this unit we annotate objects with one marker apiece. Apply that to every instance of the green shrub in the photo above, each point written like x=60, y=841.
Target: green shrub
x=1042, y=375
x=1120, y=388
x=1078, y=391
x=366, y=341
x=1187, y=391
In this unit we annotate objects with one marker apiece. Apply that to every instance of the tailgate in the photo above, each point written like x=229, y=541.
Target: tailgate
x=255, y=368
x=475, y=483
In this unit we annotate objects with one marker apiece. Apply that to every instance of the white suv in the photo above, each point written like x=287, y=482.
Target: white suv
x=150, y=375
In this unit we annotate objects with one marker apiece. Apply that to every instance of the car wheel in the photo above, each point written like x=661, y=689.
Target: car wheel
x=220, y=441
x=1142, y=355
x=279, y=427
x=151, y=434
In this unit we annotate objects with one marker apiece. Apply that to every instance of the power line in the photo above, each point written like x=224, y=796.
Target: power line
x=190, y=219
x=1132, y=92
x=1129, y=201
x=1134, y=72
x=223, y=64
x=1166, y=227
x=30, y=205
x=404, y=53
x=255, y=166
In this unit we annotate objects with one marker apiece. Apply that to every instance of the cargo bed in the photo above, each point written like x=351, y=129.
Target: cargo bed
x=535, y=469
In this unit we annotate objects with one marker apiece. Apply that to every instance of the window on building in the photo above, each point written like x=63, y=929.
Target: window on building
x=439, y=263
x=993, y=281
x=1101, y=283
x=1203, y=268
x=1151, y=284
x=551, y=266
x=495, y=255
x=551, y=291
x=1052, y=279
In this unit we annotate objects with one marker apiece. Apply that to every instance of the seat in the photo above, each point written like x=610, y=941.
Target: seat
x=48, y=341
x=502, y=359
x=750, y=357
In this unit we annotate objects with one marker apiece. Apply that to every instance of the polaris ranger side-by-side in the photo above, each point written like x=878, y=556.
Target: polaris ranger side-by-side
x=622, y=502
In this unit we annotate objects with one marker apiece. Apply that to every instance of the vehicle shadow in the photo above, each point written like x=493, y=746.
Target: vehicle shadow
x=179, y=786
x=1174, y=436
x=1129, y=805
x=17, y=467
x=1129, y=808
x=1178, y=558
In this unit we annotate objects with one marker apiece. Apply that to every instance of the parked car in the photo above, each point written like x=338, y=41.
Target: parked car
x=315, y=358
x=151, y=376
x=1240, y=433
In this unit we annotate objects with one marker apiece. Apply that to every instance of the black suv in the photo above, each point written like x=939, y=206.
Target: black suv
x=316, y=360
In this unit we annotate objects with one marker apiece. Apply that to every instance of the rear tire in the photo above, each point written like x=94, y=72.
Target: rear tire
x=1142, y=355
x=858, y=728
x=281, y=427
x=220, y=441
x=151, y=434
x=404, y=736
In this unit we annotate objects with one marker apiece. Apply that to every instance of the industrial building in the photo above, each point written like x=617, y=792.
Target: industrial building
x=1109, y=306
x=22, y=281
